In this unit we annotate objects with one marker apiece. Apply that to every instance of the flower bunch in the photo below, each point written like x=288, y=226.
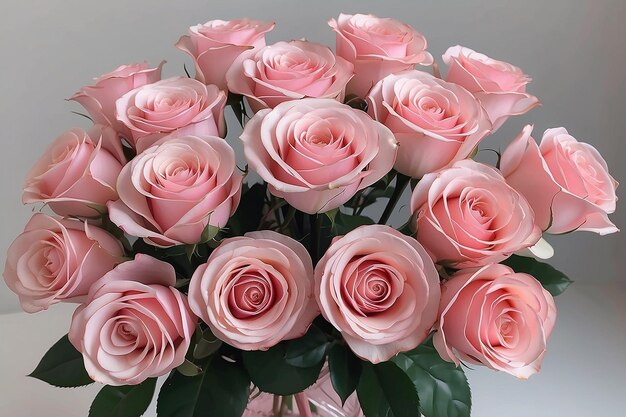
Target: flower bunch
x=243, y=292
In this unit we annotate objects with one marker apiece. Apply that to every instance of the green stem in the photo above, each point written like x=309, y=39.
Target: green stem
x=315, y=233
x=291, y=212
x=401, y=182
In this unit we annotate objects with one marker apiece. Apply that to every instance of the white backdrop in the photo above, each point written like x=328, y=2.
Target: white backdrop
x=575, y=50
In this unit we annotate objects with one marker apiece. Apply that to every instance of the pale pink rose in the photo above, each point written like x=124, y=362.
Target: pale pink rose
x=435, y=122
x=380, y=289
x=56, y=260
x=317, y=153
x=217, y=43
x=499, y=86
x=467, y=215
x=566, y=182
x=76, y=175
x=288, y=71
x=495, y=317
x=134, y=324
x=177, y=104
x=377, y=47
x=175, y=189
x=255, y=290
x=99, y=99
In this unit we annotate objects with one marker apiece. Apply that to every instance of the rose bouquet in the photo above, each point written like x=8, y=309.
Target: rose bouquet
x=290, y=294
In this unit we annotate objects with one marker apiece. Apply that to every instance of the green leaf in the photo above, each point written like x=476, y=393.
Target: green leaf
x=188, y=368
x=250, y=210
x=332, y=214
x=345, y=223
x=207, y=345
x=270, y=371
x=552, y=279
x=345, y=370
x=442, y=386
x=123, y=401
x=62, y=366
x=221, y=391
x=209, y=233
x=307, y=350
x=384, y=390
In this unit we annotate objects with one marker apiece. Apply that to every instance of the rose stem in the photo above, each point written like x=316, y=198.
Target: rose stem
x=277, y=405
x=314, y=236
x=303, y=405
x=401, y=182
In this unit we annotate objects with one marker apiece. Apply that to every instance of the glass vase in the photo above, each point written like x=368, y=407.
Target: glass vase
x=320, y=399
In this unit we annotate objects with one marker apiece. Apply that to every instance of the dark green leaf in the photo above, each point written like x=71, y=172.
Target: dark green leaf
x=552, y=279
x=270, y=371
x=384, y=390
x=209, y=233
x=62, y=366
x=345, y=223
x=356, y=102
x=188, y=368
x=221, y=391
x=345, y=370
x=124, y=401
x=307, y=350
x=250, y=210
x=207, y=345
x=442, y=386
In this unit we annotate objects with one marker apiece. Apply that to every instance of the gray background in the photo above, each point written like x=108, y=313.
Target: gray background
x=575, y=51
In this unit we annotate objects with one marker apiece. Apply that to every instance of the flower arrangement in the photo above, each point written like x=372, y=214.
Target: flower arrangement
x=291, y=293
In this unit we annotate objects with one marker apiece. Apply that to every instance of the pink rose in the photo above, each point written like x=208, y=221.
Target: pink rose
x=380, y=289
x=288, y=71
x=495, y=317
x=566, y=182
x=435, y=122
x=377, y=47
x=216, y=44
x=99, y=99
x=57, y=260
x=499, y=86
x=177, y=104
x=134, y=325
x=467, y=215
x=173, y=190
x=76, y=175
x=317, y=153
x=255, y=290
